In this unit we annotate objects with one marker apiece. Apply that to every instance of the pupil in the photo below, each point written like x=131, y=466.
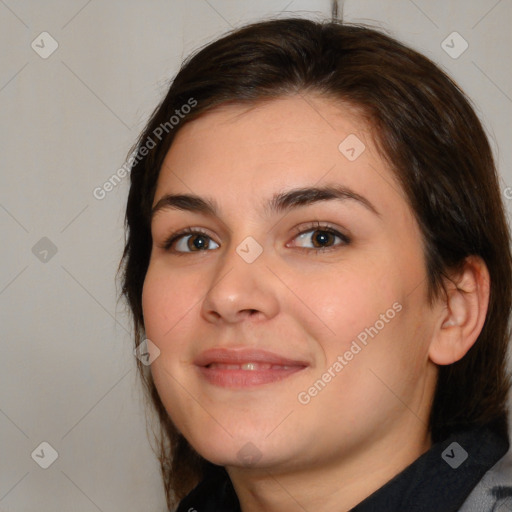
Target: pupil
x=198, y=242
x=322, y=238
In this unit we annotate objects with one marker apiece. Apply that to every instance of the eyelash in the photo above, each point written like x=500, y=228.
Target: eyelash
x=175, y=236
x=318, y=226
x=315, y=226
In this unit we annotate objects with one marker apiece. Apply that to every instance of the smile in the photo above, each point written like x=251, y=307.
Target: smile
x=248, y=366
x=245, y=368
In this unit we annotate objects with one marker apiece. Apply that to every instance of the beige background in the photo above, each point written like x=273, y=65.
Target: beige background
x=67, y=123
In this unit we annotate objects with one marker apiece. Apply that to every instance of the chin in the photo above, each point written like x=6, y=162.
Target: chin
x=252, y=450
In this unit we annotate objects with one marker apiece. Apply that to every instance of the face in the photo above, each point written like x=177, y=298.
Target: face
x=286, y=289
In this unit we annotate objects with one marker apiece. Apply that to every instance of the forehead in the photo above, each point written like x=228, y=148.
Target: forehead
x=298, y=141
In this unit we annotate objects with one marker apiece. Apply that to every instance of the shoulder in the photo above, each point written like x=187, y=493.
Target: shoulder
x=493, y=493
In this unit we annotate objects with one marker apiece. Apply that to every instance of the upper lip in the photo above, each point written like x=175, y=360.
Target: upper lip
x=244, y=355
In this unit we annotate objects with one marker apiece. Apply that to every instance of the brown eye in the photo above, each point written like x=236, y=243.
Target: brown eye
x=318, y=239
x=198, y=242
x=322, y=238
x=191, y=242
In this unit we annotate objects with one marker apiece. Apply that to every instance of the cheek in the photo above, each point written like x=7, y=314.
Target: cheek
x=169, y=302
x=168, y=298
x=373, y=318
x=349, y=301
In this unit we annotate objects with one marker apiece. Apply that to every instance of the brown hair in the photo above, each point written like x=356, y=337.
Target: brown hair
x=435, y=145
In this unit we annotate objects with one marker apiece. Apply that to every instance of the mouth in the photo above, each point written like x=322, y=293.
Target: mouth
x=245, y=368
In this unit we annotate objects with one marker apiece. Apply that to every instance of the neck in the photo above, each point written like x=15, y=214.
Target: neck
x=333, y=487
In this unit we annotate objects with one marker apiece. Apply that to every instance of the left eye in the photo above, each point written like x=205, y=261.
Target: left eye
x=320, y=238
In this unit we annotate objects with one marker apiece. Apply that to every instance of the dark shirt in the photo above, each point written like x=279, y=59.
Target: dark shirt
x=440, y=480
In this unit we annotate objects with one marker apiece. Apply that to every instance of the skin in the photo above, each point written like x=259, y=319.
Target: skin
x=370, y=421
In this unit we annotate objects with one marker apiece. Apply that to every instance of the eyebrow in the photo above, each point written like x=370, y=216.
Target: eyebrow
x=279, y=203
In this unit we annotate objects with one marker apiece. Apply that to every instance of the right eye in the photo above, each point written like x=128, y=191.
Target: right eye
x=190, y=240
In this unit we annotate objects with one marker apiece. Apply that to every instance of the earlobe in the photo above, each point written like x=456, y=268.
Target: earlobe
x=462, y=312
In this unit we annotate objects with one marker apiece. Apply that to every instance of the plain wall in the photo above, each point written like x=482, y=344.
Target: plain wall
x=67, y=123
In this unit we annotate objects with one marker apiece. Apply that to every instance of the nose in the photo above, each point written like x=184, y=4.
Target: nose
x=240, y=290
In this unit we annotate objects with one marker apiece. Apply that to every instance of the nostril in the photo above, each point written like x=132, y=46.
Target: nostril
x=245, y=313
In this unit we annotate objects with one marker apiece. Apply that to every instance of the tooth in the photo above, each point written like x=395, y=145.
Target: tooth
x=249, y=366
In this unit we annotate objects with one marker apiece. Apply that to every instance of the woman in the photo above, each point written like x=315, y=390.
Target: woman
x=318, y=256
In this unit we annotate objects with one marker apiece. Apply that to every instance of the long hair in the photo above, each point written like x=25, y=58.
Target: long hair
x=427, y=131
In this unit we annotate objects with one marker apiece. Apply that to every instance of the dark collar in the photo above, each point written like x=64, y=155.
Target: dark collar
x=438, y=481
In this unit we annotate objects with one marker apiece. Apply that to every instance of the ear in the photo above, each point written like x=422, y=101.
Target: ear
x=462, y=312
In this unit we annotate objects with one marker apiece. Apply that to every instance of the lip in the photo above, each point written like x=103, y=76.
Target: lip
x=218, y=367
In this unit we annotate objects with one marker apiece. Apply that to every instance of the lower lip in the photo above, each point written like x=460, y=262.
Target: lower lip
x=246, y=378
